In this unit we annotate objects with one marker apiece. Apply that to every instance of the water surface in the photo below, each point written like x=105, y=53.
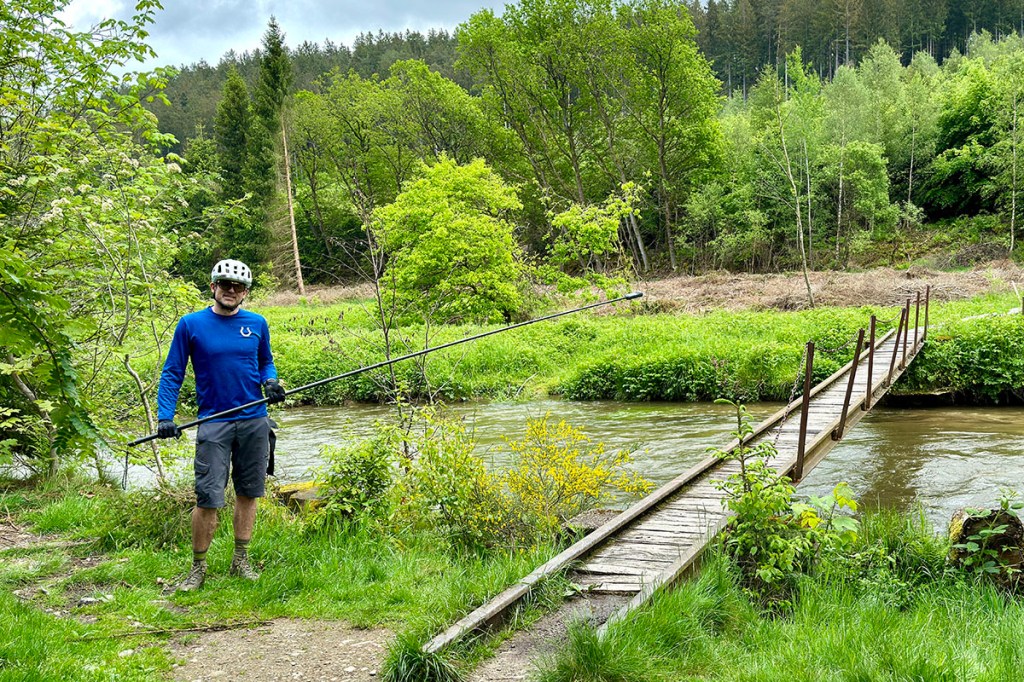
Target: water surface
x=940, y=458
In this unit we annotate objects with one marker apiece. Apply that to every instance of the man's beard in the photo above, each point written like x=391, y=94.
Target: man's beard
x=228, y=306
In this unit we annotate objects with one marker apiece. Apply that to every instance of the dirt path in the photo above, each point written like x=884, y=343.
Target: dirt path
x=782, y=291
x=13, y=536
x=285, y=649
x=518, y=657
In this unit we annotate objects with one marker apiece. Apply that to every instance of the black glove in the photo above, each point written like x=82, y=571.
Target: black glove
x=274, y=391
x=167, y=429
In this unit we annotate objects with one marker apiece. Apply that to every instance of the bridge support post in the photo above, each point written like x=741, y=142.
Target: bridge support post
x=927, y=298
x=906, y=333
x=838, y=432
x=801, y=446
x=895, y=349
x=871, y=367
x=917, y=317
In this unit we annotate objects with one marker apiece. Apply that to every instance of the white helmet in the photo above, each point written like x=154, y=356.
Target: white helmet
x=232, y=270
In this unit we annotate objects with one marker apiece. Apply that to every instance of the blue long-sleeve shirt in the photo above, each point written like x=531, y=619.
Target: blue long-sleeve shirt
x=231, y=359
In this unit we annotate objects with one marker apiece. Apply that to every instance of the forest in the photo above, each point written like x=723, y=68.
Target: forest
x=886, y=146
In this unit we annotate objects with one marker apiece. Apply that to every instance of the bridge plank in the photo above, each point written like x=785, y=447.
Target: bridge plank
x=616, y=569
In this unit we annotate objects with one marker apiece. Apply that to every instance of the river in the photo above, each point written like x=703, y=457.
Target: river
x=942, y=458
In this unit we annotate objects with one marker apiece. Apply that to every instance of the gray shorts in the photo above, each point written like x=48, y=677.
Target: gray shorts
x=239, y=447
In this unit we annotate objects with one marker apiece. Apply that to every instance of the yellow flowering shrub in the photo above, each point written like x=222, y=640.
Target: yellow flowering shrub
x=429, y=477
x=558, y=472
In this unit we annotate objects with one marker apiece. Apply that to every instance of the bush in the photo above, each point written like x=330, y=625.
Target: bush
x=772, y=539
x=975, y=359
x=156, y=518
x=427, y=476
x=558, y=472
x=355, y=482
x=447, y=487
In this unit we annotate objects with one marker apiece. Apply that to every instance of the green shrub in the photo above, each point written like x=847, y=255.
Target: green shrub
x=978, y=360
x=427, y=476
x=448, y=487
x=155, y=518
x=772, y=538
x=355, y=481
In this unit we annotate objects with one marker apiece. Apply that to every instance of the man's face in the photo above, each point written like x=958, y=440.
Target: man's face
x=229, y=295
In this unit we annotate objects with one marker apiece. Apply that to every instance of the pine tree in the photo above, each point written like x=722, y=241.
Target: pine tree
x=232, y=130
x=272, y=88
x=275, y=78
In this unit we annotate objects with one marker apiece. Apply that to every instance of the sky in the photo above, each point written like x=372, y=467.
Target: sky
x=187, y=31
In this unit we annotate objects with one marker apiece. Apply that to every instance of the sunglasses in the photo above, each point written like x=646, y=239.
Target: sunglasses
x=231, y=286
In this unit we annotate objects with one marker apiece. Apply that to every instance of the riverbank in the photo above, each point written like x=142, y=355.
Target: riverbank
x=638, y=353
x=888, y=609
x=83, y=591
x=689, y=339
x=82, y=598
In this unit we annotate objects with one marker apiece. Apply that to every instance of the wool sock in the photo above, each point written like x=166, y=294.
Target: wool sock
x=198, y=557
x=241, y=549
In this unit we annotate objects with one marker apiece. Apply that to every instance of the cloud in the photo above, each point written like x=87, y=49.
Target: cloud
x=187, y=31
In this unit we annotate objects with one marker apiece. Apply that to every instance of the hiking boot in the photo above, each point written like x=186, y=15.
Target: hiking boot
x=194, y=580
x=240, y=568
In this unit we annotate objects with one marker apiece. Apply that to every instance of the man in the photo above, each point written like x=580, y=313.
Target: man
x=230, y=352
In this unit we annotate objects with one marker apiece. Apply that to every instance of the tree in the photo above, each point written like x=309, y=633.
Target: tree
x=776, y=120
x=245, y=176
x=846, y=120
x=275, y=79
x=530, y=62
x=83, y=266
x=965, y=130
x=233, y=131
x=672, y=101
x=450, y=247
x=442, y=118
x=1006, y=154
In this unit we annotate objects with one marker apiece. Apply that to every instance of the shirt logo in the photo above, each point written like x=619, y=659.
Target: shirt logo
x=246, y=332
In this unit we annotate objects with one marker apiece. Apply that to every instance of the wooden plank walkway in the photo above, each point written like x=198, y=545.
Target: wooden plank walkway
x=651, y=544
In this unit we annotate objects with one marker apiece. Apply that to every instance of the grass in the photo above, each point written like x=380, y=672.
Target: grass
x=401, y=581
x=625, y=355
x=408, y=662
x=748, y=355
x=889, y=610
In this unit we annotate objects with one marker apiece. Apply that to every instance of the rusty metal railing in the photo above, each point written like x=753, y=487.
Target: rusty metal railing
x=901, y=347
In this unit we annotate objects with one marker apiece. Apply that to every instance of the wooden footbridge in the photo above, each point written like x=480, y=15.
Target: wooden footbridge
x=651, y=544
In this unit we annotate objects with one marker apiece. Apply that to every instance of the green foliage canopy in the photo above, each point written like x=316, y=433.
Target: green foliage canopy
x=449, y=244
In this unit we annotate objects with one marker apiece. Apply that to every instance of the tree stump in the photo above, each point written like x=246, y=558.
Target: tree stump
x=980, y=536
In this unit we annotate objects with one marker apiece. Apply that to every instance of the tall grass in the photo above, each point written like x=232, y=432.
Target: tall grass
x=745, y=355
x=362, y=575
x=846, y=624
